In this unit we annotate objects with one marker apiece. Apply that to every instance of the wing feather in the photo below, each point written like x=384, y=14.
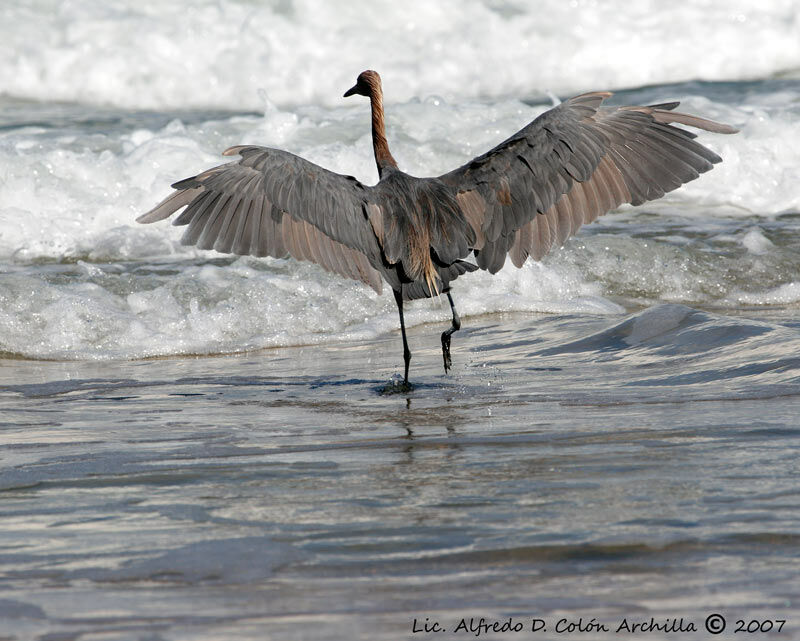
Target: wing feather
x=213, y=222
x=543, y=239
x=244, y=230
x=570, y=165
x=273, y=203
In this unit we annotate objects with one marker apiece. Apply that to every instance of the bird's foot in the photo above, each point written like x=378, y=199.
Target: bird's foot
x=396, y=385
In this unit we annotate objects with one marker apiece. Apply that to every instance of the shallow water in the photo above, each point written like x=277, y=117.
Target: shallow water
x=197, y=446
x=571, y=466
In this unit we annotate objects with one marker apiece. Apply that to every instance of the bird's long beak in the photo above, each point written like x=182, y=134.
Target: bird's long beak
x=351, y=91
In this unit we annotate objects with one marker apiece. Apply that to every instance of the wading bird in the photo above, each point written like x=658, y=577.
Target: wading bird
x=570, y=165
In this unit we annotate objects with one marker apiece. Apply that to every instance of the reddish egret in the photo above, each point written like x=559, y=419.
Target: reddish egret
x=567, y=167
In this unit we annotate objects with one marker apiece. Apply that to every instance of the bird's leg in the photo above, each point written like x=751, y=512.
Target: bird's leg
x=447, y=333
x=398, y=297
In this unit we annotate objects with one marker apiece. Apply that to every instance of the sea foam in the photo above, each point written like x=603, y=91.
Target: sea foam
x=203, y=53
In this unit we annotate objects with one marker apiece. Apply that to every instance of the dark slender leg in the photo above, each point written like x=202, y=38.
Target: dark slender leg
x=398, y=297
x=446, y=334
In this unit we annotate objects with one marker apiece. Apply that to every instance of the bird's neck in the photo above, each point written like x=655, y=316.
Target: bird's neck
x=383, y=157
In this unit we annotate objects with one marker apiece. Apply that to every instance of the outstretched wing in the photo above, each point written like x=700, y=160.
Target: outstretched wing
x=570, y=165
x=273, y=203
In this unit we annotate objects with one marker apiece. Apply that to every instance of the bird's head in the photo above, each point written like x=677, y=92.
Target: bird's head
x=368, y=83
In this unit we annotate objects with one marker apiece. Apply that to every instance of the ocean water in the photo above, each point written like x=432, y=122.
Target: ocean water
x=196, y=446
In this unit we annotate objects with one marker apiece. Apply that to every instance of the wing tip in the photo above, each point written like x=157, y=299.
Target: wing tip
x=151, y=216
x=161, y=211
x=669, y=117
x=168, y=206
x=723, y=128
x=241, y=150
x=591, y=99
